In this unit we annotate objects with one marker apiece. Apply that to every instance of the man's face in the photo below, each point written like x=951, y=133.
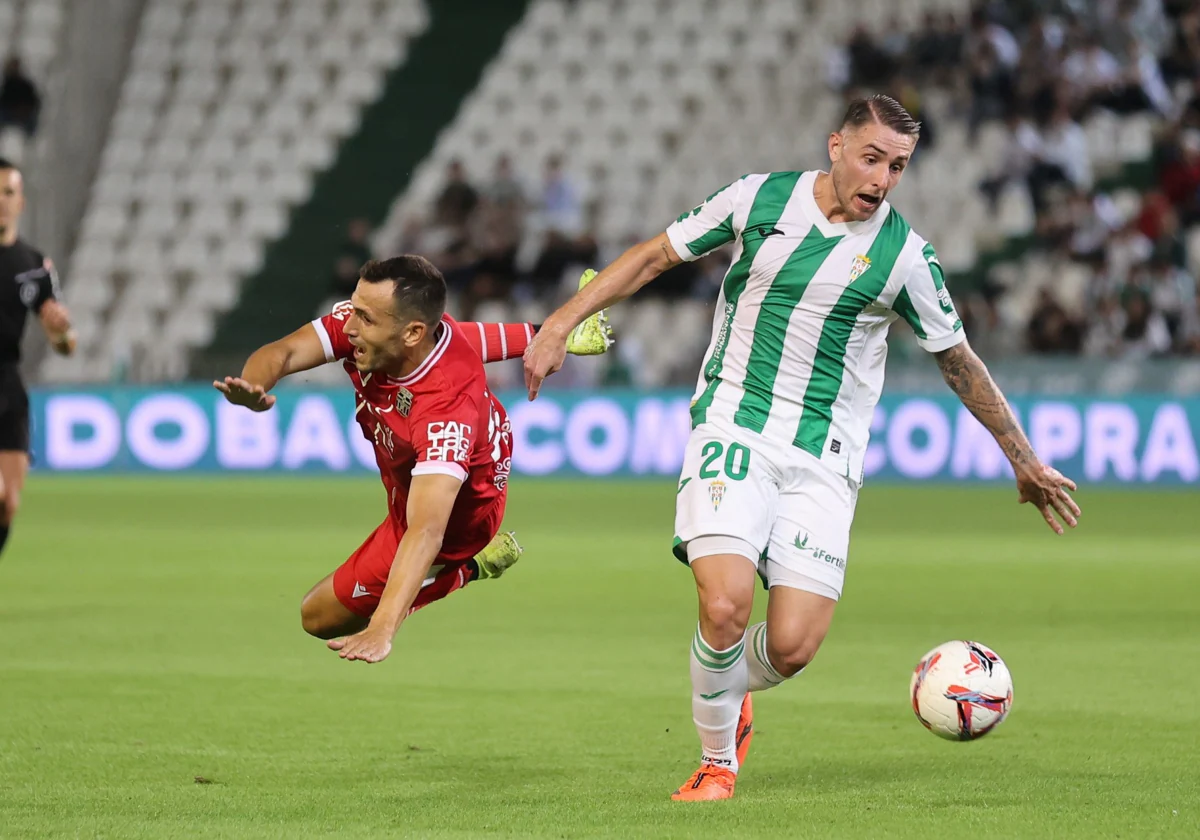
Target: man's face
x=867, y=163
x=378, y=334
x=12, y=197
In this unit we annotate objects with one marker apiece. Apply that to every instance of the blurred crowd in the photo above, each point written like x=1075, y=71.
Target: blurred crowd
x=1042, y=69
x=504, y=239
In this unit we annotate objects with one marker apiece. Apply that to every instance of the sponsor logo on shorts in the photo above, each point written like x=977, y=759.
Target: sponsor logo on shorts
x=360, y=591
x=716, y=492
x=801, y=543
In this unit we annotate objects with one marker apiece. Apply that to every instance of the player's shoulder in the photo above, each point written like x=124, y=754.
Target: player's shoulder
x=454, y=366
x=340, y=311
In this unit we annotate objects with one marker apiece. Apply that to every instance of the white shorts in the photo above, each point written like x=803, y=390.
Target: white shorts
x=791, y=512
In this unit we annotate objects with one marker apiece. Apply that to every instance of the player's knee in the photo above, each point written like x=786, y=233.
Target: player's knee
x=723, y=619
x=316, y=621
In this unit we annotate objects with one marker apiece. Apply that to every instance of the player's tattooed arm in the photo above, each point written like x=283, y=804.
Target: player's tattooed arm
x=968, y=377
x=1043, y=487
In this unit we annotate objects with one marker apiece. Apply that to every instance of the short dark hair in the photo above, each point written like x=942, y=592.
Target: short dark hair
x=5, y=163
x=883, y=109
x=420, y=291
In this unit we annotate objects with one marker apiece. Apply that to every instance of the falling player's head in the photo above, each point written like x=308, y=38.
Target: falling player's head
x=12, y=196
x=398, y=304
x=869, y=152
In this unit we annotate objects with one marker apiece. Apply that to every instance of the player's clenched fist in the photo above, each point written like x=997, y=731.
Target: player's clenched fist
x=368, y=646
x=240, y=392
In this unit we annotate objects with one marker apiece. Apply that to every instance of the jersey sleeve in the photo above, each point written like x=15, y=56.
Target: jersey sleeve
x=329, y=330
x=924, y=302
x=39, y=286
x=497, y=342
x=443, y=434
x=707, y=227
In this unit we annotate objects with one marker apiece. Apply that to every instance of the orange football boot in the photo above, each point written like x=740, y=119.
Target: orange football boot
x=709, y=782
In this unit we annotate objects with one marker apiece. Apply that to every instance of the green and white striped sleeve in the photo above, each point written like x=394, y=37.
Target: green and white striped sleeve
x=709, y=226
x=925, y=303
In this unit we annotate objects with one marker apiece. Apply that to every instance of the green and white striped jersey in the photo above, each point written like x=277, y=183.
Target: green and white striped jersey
x=800, y=333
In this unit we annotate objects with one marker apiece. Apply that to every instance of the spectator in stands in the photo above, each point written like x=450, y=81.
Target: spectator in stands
x=20, y=102
x=1171, y=291
x=1096, y=217
x=1092, y=72
x=926, y=48
x=1179, y=174
x=1182, y=60
x=1051, y=329
x=1022, y=151
x=985, y=31
x=1065, y=145
x=1127, y=248
x=566, y=244
x=991, y=84
x=1145, y=333
x=457, y=199
x=353, y=251
x=561, y=209
x=870, y=65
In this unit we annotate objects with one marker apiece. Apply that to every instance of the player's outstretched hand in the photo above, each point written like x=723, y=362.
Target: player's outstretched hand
x=543, y=356
x=240, y=392
x=1047, y=489
x=370, y=645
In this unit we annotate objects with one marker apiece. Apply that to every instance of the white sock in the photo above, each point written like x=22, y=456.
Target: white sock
x=762, y=673
x=719, y=684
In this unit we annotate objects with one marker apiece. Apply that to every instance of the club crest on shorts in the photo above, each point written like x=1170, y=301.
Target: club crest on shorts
x=859, y=267
x=404, y=401
x=716, y=492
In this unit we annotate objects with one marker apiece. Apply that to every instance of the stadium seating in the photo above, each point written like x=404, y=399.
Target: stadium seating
x=228, y=110
x=647, y=103
x=30, y=29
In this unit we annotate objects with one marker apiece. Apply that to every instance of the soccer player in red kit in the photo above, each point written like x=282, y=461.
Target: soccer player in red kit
x=442, y=441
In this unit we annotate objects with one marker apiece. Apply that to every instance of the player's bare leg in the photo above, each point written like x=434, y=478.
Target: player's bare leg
x=720, y=682
x=14, y=466
x=323, y=615
x=797, y=623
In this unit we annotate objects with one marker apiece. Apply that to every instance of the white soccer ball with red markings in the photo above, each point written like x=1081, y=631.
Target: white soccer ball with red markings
x=961, y=690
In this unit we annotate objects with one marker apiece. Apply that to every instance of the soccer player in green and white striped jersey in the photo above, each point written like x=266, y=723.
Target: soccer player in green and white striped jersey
x=822, y=266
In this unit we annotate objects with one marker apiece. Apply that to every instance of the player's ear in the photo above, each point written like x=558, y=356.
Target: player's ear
x=414, y=333
x=835, y=147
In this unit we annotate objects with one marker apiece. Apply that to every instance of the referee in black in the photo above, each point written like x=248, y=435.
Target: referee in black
x=28, y=284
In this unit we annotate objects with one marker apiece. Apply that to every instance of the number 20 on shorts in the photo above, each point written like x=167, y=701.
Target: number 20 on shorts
x=737, y=460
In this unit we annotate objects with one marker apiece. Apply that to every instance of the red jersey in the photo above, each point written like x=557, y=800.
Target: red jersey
x=441, y=418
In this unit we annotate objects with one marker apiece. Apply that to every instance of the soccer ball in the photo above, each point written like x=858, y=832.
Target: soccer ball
x=961, y=691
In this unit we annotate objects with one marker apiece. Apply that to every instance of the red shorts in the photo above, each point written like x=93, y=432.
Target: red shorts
x=358, y=583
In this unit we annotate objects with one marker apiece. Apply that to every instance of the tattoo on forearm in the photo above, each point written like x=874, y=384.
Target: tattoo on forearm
x=968, y=377
x=667, y=253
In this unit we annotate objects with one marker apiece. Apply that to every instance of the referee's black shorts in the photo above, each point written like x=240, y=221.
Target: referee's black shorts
x=14, y=411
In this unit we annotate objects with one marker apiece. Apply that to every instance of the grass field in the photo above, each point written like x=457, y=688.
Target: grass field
x=155, y=683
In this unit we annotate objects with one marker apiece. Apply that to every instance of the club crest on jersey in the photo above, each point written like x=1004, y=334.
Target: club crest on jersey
x=342, y=310
x=404, y=399
x=859, y=267
x=716, y=492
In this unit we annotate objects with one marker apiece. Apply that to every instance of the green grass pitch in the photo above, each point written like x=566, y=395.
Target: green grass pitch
x=155, y=683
